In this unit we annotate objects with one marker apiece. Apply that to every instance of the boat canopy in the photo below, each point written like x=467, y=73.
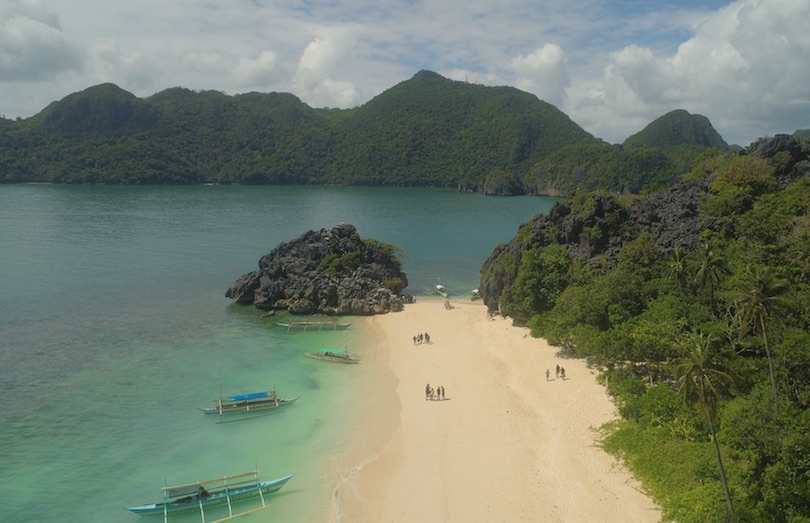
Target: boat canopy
x=251, y=396
x=184, y=490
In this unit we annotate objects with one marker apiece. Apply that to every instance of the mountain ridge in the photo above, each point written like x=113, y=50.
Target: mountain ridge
x=427, y=131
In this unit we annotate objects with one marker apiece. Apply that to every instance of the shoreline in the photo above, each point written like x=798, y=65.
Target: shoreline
x=507, y=444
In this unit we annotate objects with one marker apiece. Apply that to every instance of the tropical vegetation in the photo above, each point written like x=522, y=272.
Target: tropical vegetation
x=425, y=132
x=701, y=334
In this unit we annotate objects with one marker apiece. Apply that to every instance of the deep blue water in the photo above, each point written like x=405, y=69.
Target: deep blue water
x=114, y=328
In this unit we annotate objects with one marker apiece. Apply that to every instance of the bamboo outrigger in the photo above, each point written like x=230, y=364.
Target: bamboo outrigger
x=313, y=326
x=211, y=493
x=247, y=404
x=336, y=355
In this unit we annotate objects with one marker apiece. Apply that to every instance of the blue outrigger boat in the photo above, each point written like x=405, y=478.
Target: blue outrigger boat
x=248, y=403
x=212, y=493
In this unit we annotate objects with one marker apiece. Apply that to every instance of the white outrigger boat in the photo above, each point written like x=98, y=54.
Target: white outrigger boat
x=312, y=325
x=212, y=493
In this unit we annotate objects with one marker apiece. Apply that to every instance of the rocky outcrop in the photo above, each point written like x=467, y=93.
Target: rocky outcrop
x=596, y=229
x=331, y=271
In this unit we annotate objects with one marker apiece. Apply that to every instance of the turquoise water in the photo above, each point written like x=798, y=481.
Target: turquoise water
x=114, y=328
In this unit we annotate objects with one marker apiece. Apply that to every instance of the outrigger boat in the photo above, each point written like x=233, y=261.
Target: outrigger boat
x=337, y=355
x=475, y=294
x=441, y=290
x=211, y=493
x=312, y=326
x=247, y=403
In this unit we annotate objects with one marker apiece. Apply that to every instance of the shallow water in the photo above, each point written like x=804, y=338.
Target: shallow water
x=114, y=328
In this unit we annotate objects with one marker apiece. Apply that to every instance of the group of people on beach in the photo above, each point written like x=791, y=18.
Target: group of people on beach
x=422, y=337
x=434, y=394
x=560, y=373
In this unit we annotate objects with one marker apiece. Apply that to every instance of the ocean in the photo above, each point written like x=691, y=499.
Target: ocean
x=114, y=328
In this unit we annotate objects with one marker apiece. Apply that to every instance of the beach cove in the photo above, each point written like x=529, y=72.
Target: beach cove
x=506, y=444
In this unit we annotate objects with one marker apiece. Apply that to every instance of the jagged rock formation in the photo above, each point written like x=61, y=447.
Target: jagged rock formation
x=599, y=228
x=595, y=230
x=331, y=271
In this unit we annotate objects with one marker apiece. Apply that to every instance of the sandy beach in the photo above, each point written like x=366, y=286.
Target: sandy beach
x=505, y=444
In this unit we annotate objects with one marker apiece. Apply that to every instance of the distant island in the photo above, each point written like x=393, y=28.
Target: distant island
x=428, y=131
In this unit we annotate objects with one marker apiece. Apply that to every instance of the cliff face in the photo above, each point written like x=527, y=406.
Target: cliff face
x=331, y=271
x=600, y=225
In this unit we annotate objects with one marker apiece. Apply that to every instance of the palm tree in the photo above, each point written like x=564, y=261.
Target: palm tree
x=763, y=296
x=698, y=382
x=709, y=271
x=678, y=267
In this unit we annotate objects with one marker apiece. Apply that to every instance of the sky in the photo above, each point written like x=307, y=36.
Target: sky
x=612, y=66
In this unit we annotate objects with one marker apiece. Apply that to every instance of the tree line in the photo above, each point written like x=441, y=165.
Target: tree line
x=425, y=132
x=704, y=346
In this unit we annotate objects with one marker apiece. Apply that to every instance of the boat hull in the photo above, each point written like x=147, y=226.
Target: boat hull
x=193, y=503
x=336, y=359
x=247, y=407
x=312, y=326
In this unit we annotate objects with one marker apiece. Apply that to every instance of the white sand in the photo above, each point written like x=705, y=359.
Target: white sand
x=506, y=445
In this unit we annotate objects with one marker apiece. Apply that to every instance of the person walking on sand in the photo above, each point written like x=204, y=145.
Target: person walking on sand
x=557, y=372
x=547, y=374
x=427, y=391
x=562, y=373
x=427, y=338
x=443, y=395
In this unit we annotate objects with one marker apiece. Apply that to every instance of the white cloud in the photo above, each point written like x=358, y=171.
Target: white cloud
x=745, y=68
x=263, y=72
x=542, y=73
x=612, y=66
x=32, y=46
x=319, y=62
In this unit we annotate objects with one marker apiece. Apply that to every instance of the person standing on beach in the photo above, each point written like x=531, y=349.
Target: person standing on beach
x=547, y=374
x=443, y=396
x=427, y=338
x=558, y=371
x=427, y=391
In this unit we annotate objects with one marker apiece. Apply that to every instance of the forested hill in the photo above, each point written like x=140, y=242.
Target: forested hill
x=675, y=129
x=426, y=131
x=693, y=305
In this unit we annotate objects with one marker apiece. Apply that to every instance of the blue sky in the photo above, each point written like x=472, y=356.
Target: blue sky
x=611, y=66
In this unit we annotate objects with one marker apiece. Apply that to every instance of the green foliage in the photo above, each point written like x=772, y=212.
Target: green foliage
x=739, y=181
x=395, y=285
x=676, y=128
x=338, y=266
x=746, y=287
x=427, y=132
x=543, y=273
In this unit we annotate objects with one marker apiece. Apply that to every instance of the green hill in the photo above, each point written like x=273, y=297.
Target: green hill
x=692, y=306
x=677, y=128
x=427, y=131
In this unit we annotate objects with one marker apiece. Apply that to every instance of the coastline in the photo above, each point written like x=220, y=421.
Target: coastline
x=506, y=444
